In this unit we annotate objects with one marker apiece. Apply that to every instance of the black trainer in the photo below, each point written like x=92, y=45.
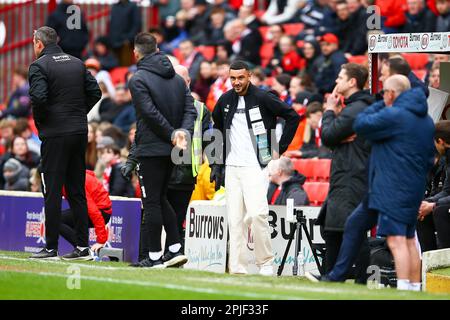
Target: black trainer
x=45, y=254
x=174, y=260
x=77, y=254
x=149, y=263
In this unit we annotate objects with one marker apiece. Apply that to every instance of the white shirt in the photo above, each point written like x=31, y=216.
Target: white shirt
x=242, y=153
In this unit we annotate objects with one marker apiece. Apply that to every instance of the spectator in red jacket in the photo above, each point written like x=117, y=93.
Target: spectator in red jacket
x=99, y=211
x=392, y=14
x=291, y=61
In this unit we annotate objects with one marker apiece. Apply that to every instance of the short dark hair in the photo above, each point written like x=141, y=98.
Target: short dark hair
x=359, y=72
x=238, y=65
x=399, y=66
x=21, y=126
x=313, y=107
x=442, y=131
x=157, y=30
x=284, y=79
x=21, y=71
x=46, y=35
x=145, y=43
x=258, y=72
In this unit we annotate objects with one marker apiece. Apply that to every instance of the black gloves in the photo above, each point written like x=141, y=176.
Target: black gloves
x=127, y=169
x=217, y=175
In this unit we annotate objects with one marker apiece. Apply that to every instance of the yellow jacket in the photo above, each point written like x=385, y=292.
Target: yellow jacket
x=204, y=190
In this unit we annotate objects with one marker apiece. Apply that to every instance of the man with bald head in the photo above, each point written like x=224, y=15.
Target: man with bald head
x=401, y=133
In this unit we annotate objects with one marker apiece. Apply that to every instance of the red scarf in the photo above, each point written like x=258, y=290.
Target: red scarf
x=107, y=173
x=275, y=195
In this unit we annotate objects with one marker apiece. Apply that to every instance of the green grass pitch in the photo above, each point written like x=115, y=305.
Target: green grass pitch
x=21, y=278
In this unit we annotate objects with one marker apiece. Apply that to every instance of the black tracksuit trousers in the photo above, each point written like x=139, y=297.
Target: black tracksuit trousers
x=63, y=164
x=434, y=230
x=154, y=175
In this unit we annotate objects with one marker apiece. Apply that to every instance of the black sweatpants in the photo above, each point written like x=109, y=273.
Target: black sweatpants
x=66, y=228
x=434, y=230
x=154, y=174
x=179, y=199
x=63, y=164
x=333, y=242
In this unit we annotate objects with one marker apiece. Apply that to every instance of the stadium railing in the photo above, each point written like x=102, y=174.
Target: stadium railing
x=21, y=18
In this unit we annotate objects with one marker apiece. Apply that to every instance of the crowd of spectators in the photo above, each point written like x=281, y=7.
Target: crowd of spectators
x=295, y=47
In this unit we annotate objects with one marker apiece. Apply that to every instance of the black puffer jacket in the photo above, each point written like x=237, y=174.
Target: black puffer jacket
x=62, y=93
x=163, y=103
x=348, y=181
x=291, y=189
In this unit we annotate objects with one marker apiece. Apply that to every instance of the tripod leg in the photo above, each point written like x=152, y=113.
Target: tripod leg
x=298, y=231
x=316, y=258
x=286, y=252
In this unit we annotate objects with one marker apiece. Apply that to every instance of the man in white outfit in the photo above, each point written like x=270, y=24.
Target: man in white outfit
x=246, y=116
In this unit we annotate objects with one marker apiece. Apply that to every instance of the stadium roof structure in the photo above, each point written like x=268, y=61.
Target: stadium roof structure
x=427, y=42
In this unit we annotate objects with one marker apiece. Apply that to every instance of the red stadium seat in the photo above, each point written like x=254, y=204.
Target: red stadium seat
x=207, y=51
x=266, y=53
x=305, y=167
x=118, y=75
x=358, y=59
x=293, y=29
x=317, y=192
x=313, y=169
x=321, y=169
x=416, y=60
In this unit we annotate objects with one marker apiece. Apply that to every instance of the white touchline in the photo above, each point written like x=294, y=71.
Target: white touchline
x=253, y=295
x=215, y=280
x=89, y=266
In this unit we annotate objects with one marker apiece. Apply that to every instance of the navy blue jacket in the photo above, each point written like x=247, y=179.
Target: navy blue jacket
x=327, y=70
x=125, y=23
x=402, y=153
x=72, y=41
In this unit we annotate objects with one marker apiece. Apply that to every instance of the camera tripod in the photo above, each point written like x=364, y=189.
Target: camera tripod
x=296, y=233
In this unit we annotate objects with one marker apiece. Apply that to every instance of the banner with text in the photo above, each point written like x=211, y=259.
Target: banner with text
x=409, y=42
x=206, y=238
x=22, y=224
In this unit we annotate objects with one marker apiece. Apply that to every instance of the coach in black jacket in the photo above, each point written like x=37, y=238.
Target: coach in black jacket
x=62, y=93
x=163, y=105
x=348, y=180
x=246, y=116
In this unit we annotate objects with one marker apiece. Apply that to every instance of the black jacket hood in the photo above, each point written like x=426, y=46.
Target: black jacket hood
x=157, y=63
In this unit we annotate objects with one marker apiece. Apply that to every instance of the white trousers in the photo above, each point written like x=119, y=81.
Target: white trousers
x=246, y=198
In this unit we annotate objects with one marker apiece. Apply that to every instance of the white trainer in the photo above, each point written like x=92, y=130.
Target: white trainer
x=266, y=270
